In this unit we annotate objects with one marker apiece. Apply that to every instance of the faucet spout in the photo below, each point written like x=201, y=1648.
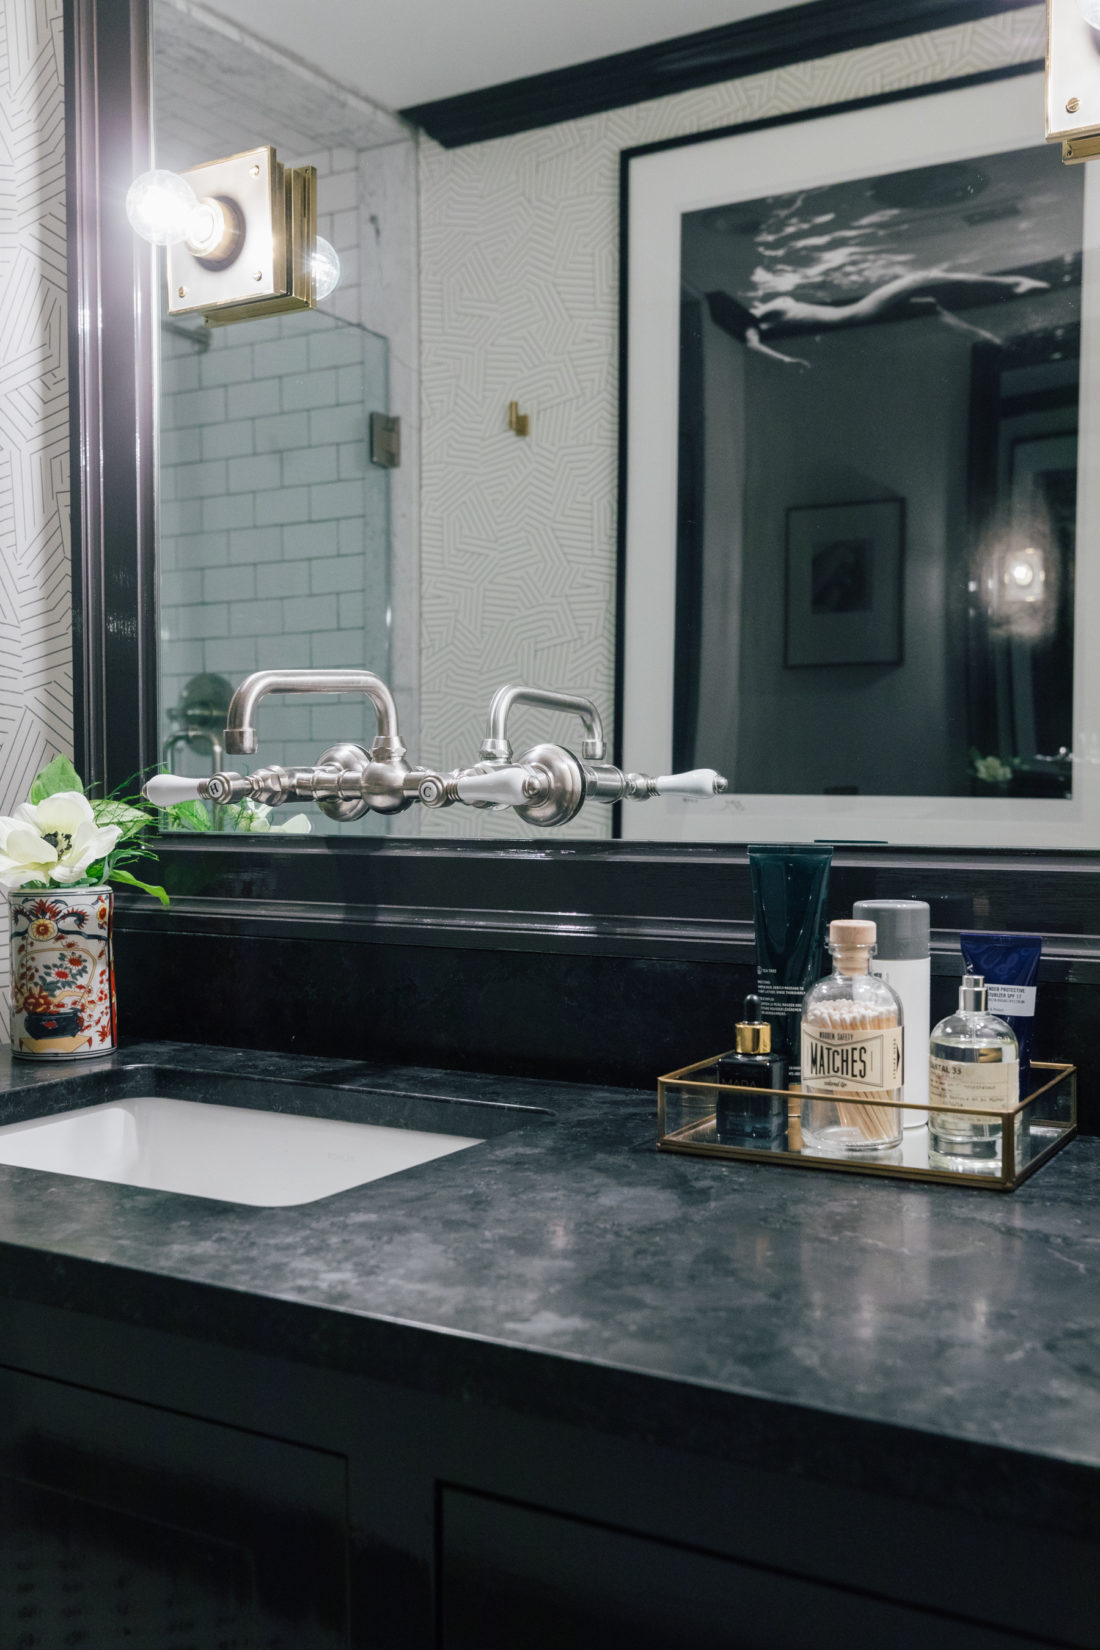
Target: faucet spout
x=495, y=746
x=240, y=731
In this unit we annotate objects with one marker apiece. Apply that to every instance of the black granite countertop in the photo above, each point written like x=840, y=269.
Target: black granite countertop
x=569, y=1267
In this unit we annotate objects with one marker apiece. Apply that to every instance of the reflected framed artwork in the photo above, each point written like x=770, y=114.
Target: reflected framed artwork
x=844, y=583
x=861, y=504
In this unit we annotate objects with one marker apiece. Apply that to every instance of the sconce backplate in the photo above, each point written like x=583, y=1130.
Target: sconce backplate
x=1073, y=75
x=271, y=269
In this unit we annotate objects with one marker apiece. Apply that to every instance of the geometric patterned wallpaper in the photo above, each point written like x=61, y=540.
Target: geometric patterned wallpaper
x=36, y=696
x=519, y=301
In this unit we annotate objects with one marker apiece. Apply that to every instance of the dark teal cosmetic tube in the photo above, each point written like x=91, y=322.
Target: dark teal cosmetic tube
x=790, y=884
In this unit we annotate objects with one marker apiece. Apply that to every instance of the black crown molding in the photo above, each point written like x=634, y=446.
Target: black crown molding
x=729, y=52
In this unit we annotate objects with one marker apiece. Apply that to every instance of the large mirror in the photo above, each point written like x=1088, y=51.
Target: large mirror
x=865, y=582
x=857, y=554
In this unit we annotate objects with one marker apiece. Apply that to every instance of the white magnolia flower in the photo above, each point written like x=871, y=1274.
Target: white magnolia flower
x=52, y=841
x=254, y=816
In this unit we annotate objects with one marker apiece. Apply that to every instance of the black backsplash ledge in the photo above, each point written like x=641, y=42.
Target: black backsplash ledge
x=586, y=1017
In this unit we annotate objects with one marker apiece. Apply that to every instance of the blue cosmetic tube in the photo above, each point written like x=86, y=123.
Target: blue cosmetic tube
x=1010, y=966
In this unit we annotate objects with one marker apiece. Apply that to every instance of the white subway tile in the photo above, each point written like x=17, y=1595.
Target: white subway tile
x=229, y=440
x=293, y=654
x=336, y=573
x=310, y=613
x=286, y=504
x=180, y=516
x=202, y=621
x=287, y=578
x=281, y=356
x=256, y=544
x=339, y=425
x=254, y=475
x=262, y=618
x=353, y=460
x=227, y=365
x=232, y=510
x=353, y=609
x=308, y=539
x=276, y=433
x=202, y=550
x=201, y=480
x=253, y=400
x=349, y=385
x=181, y=589
x=229, y=584
x=233, y=655
x=309, y=464
x=180, y=446
x=195, y=407
x=338, y=498
x=309, y=389
x=338, y=346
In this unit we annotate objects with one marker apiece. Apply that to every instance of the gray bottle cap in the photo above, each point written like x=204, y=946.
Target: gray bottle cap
x=903, y=927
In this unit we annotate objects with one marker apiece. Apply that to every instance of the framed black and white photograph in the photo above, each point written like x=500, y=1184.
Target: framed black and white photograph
x=849, y=341
x=844, y=583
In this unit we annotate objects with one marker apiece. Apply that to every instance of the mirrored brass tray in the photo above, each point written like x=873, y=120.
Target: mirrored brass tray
x=1030, y=1133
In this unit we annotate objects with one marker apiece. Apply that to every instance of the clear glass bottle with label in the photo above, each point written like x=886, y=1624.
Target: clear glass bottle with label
x=852, y=1052
x=973, y=1060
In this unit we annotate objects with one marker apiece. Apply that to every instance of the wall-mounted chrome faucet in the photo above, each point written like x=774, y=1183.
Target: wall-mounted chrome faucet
x=547, y=786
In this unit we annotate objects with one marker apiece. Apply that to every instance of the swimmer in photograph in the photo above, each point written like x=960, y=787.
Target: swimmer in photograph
x=923, y=286
x=924, y=289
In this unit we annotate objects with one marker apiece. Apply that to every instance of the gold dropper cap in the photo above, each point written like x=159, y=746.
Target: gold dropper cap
x=754, y=1035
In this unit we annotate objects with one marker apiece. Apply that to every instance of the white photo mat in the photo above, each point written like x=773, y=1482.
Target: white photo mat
x=998, y=116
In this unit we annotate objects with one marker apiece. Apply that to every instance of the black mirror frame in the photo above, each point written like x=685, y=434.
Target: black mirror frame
x=613, y=898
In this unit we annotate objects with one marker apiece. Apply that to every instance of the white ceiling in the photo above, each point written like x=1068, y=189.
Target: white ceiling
x=405, y=52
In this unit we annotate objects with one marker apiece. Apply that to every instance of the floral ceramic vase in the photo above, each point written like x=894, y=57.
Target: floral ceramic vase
x=63, y=978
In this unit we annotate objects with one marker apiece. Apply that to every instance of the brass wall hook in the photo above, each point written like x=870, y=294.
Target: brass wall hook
x=519, y=423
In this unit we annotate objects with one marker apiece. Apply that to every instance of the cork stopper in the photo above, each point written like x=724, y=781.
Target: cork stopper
x=851, y=942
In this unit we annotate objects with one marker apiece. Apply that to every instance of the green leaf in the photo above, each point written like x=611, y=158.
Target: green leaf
x=129, y=820
x=188, y=816
x=60, y=775
x=118, y=875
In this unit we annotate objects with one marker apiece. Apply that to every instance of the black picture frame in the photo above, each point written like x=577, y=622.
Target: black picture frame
x=614, y=899
x=845, y=578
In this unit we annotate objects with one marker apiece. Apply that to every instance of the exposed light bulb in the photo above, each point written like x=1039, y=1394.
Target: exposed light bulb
x=161, y=207
x=326, y=267
x=1090, y=11
x=1022, y=573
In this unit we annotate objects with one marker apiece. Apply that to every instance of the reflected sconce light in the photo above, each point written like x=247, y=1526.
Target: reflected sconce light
x=1073, y=78
x=1023, y=577
x=240, y=236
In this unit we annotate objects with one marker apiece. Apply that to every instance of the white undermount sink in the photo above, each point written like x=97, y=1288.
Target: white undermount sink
x=234, y=1153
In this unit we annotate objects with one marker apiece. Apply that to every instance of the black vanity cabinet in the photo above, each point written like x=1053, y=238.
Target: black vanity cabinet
x=514, y=1575
x=160, y=1493
x=127, y=1525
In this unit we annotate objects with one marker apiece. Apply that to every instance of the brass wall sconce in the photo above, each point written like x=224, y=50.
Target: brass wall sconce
x=1073, y=78
x=241, y=236
x=519, y=423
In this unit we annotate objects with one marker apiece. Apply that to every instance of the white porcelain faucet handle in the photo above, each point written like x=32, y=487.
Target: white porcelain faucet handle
x=164, y=790
x=508, y=788
x=697, y=782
